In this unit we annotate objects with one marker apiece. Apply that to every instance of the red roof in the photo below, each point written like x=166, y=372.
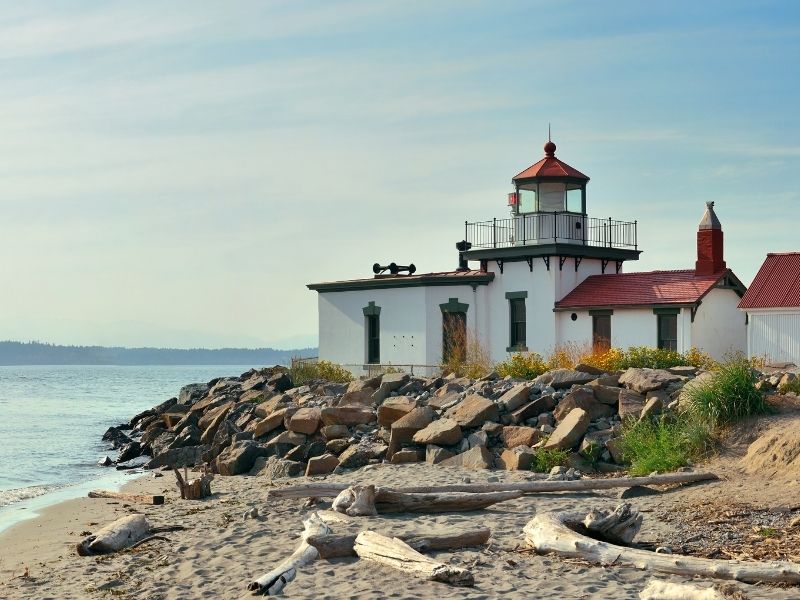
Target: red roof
x=550, y=166
x=640, y=289
x=777, y=283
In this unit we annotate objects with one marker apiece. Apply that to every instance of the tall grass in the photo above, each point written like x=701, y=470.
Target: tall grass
x=522, y=365
x=545, y=459
x=727, y=396
x=469, y=356
x=665, y=443
x=303, y=371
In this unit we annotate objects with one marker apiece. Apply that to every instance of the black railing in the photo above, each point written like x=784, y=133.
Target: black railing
x=546, y=228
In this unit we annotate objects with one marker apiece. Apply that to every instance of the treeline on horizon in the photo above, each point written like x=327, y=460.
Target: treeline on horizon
x=38, y=353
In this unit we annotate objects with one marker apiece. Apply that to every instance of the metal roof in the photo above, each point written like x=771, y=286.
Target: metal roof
x=777, y=283
x=550, y=166
x=471, y=277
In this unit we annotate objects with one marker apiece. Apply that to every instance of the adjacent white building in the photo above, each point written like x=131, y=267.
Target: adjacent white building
x=772, y=305
x=547, y=275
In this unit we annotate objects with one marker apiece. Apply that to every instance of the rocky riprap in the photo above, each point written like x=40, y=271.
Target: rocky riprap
x=261, y=423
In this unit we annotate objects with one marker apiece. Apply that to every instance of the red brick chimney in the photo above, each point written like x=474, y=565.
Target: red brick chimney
x=710, y=256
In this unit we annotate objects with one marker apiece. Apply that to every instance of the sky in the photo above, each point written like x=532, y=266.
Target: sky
x=175, y=173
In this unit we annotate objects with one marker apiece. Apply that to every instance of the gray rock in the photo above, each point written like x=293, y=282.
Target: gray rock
x=473, y=411
x=187, y=456
x=564, y=378
x=646, y=380
x=239, y=458
x=475, y=458
x=444, y=431
x=515, y=397
x=570, y=431
x=276, y=468
x=435, y=454
x=652, y=407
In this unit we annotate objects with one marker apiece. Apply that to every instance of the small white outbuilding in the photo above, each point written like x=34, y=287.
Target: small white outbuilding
x=772, y=305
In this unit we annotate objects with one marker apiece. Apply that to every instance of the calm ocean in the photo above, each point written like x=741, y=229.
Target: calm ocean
x=52, y=419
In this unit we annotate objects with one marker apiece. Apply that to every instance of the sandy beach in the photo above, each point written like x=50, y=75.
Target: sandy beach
x=219, y=552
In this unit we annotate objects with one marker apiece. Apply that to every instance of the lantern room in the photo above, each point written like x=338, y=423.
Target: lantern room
x=549, y=186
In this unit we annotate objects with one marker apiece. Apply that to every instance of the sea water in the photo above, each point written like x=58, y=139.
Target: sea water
x=52, y=420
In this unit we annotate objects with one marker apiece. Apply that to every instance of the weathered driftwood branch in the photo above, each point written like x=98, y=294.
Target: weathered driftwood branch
x=335, y=546
x=663, y=590
x=397, y=554
x=331, y=490
x=368, y=501
x=139, y=498
x=115, y=536
x=619, y=526
x=194, y=489
x=550, y=533
x=274, y=581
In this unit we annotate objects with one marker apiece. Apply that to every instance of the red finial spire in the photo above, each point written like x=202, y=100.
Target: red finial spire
x=549, y=147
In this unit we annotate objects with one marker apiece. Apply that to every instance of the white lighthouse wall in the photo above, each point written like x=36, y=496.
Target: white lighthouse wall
x=719, y=326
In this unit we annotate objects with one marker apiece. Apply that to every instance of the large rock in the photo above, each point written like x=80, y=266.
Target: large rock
x=444, y=431
x=213, y=414
x=347, y=415
x=520, y=436
x=276, y=468
x=533, y=409
x=403, y=429
x=238, y=458
x=189, y=436
x=188, y=456
x=594, y=443
x=272, y=422
x=630, y=404
x=116, y=437
x=335, y=432
x=444, y=402
x=283, y=442
x=361, y=396
x=393, y=409
x=129, y=451
x=359, y=455
x=473, y=411
x=518, y=458
x=570, y=431
x=647, y=380
x=436, y=454
x=270, y=405
x=605, y=393
x=409, y=455
x=475, y=458
x=389, y=383
x=189, y=394
x=564, y=378
x=322, y=465
x=305, y=420
x=515, y=397
x=582, y=398
x=652, y=407
x=280, y=382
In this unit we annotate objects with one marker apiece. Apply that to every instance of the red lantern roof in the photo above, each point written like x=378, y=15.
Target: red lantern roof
x=550, y=166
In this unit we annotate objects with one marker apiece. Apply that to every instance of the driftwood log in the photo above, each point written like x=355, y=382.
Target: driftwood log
x=663, y=590
x=619, y=526
x=552, y=532
x=336, y=546
x=115, y=536
x=395, y=553
x=138, y=498
x=368, y=501
x=274, y=581
x=195, y=489
x=331, y=490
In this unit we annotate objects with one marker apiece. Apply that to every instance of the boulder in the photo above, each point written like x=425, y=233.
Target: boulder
x=238, y=458
x=515, y=397
x=337, y=446
x=605, y=393
x=335, y=432
x=444, y=431
x=403, y=429
x=652, y=407
x=283, y=442
x=389, y=383
x=304, y=452
x=570, y=431
x=280, y=382
x=393, y=409
x=191, y=393
x=270, y=405
x=305, y=420
x=273, y=421
x=594, y=443
x=276, y=468
x=630, y=404
x=129, y=451
x=646, y=380
x=533, y=409
x=213, y=414
x=683, y=370
x=116, y=437
x=560, y=379
x=475, y=458
x=492, y=429
x=473, y=411
x=614, y=447
x=436, y=454
x=592, y=370
x=476, y=438
x=520, y=436
x=256, y=382
x=443, y=402
x=189, y=436
x=582, y=398
x=361, y=396
x=409, y=455
x=321, y=465
x=370, y=382
x=359, y=455
x=187, y=456
x=347, y=415
x=519, y=458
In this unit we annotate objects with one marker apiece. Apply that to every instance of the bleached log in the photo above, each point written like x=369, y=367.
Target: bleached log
x=367, y=501
x=395, y=553
x=550, y=533
x=619, y=526
x=331, y=490
x=356, y=501
x=138, y=498
x=274, y=581
x=662, y=590
x=115, y=536
x=334, y=546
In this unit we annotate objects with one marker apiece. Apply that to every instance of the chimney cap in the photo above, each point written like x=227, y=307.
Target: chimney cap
x=710, y=220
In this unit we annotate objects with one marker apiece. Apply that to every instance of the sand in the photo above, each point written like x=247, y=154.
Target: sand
x=219, y=552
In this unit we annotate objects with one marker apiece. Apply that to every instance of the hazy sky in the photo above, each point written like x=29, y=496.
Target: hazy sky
x=174, y=173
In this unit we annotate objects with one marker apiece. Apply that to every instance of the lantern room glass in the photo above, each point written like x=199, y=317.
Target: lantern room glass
x=550, y=197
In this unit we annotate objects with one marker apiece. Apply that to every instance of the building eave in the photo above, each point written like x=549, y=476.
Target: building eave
x=625, y=306
x=554, y=249
x=401, y=281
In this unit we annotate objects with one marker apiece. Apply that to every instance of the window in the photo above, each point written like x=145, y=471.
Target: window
x=668, y=331
x=527, y=201
x=601, y=330
x=517, y=321
x=372, y=327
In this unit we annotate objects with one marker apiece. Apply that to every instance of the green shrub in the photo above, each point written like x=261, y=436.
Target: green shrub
x=304, y=371
x=792, y=387
x=664, y=444
x=545, y=460
x=728, y=396
x=528, y=365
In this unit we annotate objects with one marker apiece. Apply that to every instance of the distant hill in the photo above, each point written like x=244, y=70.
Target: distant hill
x=36, y=353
